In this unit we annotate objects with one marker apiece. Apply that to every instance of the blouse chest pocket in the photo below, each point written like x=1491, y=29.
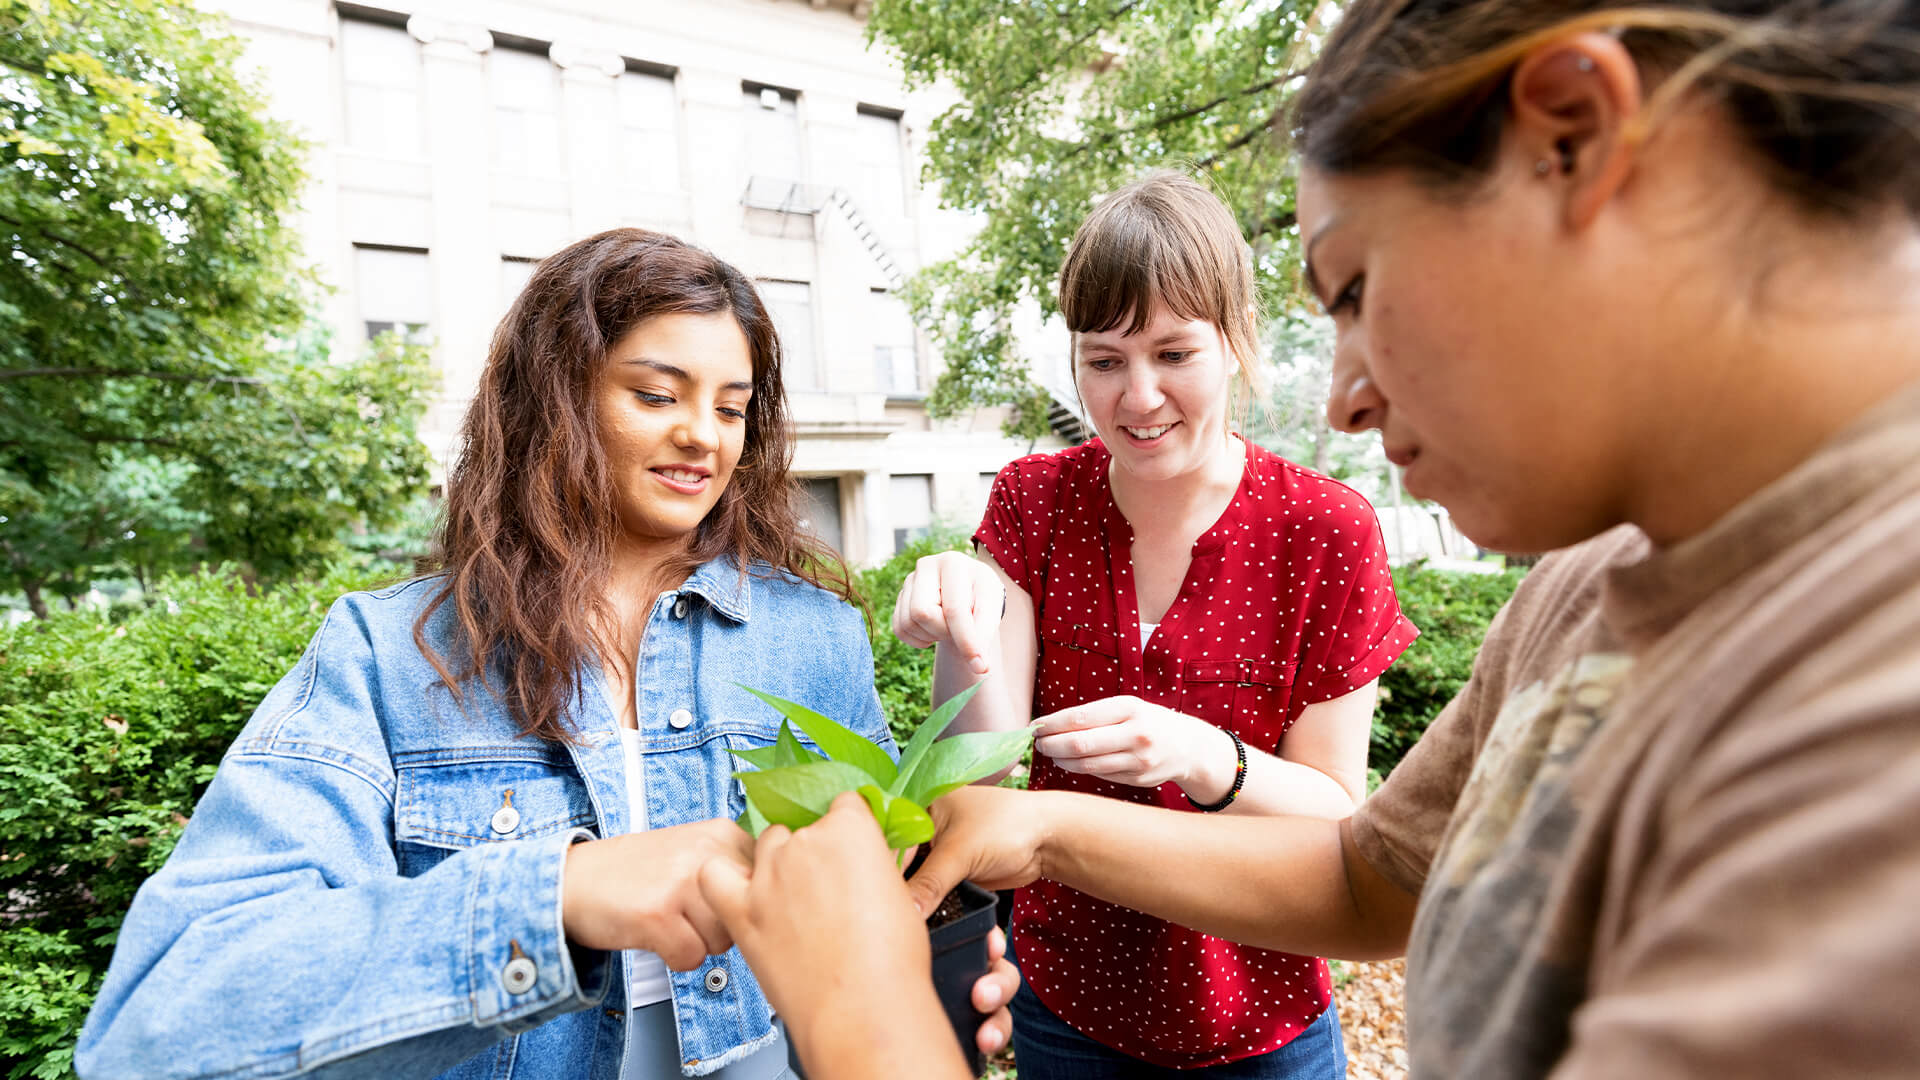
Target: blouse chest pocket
x=446, y=801
x=1079, y=662
x=1249, y=696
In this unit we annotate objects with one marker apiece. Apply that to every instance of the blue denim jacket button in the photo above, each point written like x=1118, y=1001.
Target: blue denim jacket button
x=680, y=608
x=716, y=979
x=505, y=820
x=519, y=975
x=679, y=718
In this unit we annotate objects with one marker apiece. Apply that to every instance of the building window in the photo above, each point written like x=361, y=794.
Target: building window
x=896, y=355
x=820, y=506
x=394, y=287
x=649, y=131
x=773, y=132
x=515, y=272
x=880, y=168
x=910, y=501
x=525, y=87
x=791, y=305
x=381, y=70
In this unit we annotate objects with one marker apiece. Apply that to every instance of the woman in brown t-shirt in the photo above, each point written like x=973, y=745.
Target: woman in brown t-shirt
x=1642, y=282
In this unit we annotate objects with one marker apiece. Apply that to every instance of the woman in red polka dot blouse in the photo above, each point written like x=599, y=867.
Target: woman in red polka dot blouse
x=1196, y=622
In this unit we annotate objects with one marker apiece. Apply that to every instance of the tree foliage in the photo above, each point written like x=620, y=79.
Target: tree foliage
x=1061, y=100
x=159, y=401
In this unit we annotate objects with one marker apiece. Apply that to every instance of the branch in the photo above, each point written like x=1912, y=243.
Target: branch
x=123, y=373
x=1248, y=136
x=58, y=239
x=1189, y=113
x=1041, y=69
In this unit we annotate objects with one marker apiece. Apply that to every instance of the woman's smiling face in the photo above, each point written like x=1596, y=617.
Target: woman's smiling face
x=672, y=412
x=1158, y=398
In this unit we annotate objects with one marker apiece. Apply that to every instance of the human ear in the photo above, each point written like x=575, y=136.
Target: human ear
x=1576, y=106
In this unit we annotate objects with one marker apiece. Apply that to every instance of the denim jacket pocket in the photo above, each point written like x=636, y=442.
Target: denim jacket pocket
x=742, y=734
x=447, y=800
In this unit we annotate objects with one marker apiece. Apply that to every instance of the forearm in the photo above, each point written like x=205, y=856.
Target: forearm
x=902, y=1031
x=241, y=921
x=1273, y=785
x=1289, y=883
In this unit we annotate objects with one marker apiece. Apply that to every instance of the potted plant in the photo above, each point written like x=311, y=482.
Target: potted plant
x=793, y=786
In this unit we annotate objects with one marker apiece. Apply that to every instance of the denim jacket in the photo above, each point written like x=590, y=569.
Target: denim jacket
x=371, y=884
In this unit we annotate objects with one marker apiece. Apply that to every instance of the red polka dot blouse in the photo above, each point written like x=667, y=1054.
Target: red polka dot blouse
x=1288, y=602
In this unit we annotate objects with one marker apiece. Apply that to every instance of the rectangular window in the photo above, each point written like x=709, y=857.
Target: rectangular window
x=649, y=131
x=896, y=355
x=380, y=68
x=821, y=510
x=880, y=165
x=525, y=87
x=394, y=289
x=515, y=272
x=773, y=132
x=791, y=305
x=910, y=501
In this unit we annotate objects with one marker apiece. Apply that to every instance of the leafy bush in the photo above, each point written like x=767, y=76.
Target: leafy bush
x=1452, y=610
x=110, y=730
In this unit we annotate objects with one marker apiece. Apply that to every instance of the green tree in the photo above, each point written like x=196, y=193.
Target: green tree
x=159, y=401
x=1061, y=100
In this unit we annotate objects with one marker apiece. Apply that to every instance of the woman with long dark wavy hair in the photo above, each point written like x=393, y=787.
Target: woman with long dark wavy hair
x=462, y=837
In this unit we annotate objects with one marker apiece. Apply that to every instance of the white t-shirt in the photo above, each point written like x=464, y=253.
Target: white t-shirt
x=647, y=979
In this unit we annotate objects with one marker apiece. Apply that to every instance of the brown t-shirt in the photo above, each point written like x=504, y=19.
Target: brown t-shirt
x=1671, y=827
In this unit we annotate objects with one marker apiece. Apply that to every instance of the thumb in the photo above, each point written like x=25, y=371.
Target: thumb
x=935, y=879
x=724, y=886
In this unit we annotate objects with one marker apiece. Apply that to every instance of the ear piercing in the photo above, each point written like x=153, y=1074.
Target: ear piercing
x=1585, y=63
x=1545, y=166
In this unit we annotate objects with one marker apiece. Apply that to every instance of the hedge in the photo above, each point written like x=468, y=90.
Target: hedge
x=111, y=727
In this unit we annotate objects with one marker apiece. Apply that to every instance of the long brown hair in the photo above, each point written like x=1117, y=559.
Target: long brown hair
x=525, y=544
x=1825, y=93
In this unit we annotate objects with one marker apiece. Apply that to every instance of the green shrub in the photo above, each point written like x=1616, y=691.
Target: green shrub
x=110, y=729
x=1452, y=610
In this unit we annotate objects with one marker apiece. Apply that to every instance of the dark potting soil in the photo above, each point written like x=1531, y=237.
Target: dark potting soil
x=950, y=909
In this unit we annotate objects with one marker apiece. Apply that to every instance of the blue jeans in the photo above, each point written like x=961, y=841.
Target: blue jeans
x=1046, y=1047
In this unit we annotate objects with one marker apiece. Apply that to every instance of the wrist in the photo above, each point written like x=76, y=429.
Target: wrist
x=1211, y=772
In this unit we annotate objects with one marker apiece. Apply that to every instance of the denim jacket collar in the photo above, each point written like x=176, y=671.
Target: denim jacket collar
x=723, y=586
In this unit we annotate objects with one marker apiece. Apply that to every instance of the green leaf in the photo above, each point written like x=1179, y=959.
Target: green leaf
x=787, y=749
x=796, y=795
x=929, y=730
x=752, y=820
x=790, y=751
x=840, y=743
x=760, y=757
x=903, y=823
x=962, y=759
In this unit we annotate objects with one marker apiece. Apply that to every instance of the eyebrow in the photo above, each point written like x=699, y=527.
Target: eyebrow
x=1313, y=278
x=674, y=372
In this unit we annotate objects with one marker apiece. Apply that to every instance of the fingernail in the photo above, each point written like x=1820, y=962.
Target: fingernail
x=991, y=995
x=991, y=1040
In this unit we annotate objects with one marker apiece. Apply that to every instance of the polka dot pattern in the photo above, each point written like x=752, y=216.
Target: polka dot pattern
x=1287, y=602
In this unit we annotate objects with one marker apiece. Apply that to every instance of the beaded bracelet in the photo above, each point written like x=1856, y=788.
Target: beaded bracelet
x=1239, y=778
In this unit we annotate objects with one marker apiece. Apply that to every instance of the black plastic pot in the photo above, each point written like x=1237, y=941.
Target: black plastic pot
x=959, y=959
